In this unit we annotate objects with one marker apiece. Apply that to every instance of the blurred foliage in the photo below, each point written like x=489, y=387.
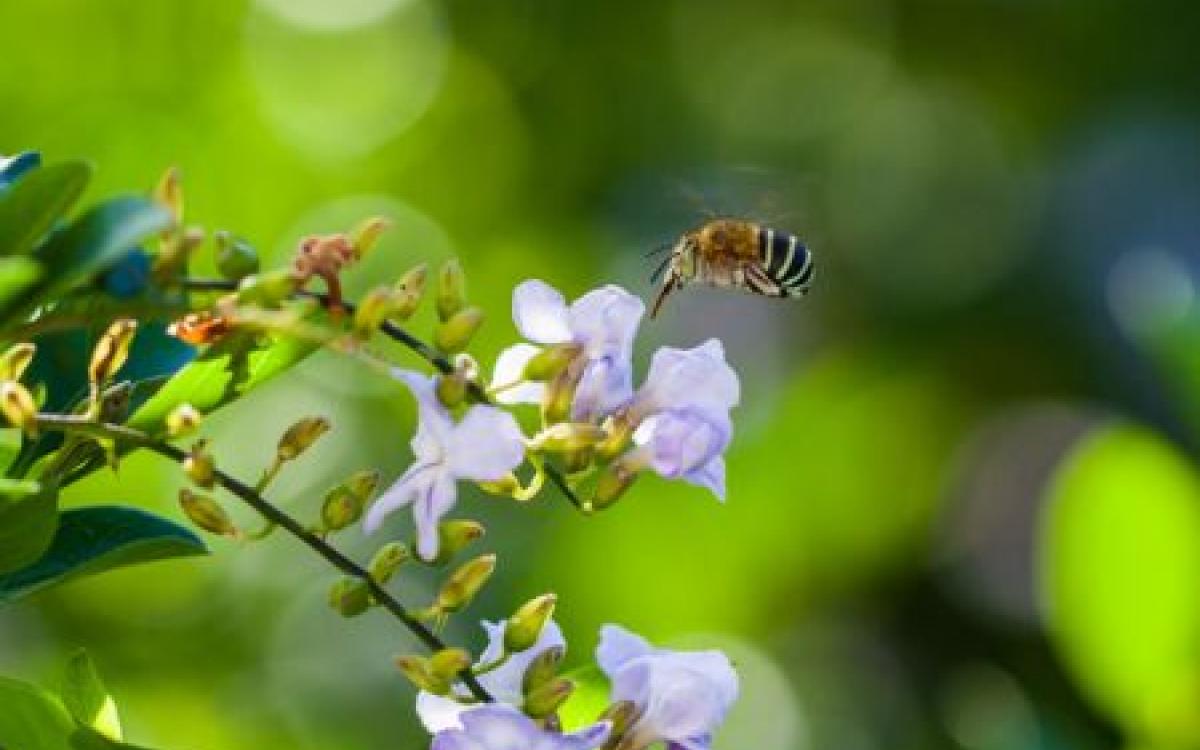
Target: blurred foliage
x=1004, y=202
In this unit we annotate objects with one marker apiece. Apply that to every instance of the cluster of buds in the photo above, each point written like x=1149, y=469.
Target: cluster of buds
x=16, y=402
x=325, y=256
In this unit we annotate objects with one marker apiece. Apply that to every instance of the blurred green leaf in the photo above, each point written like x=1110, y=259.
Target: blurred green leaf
x=86, y=738
x=96, y=539
x=31, y=207
x=32, y=718
x=16, y=275
x=28, y=518
x=228, y=370
x=98, y=239
x=86, y=698
x=1120, y=570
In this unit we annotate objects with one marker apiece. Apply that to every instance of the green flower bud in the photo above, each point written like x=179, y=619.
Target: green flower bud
x=340, y=508
x=111, y=351
x=387, y=560
x=183, y=420
x=414, y=279
x=612, y=484
x=542, y=669
x=454, y=334
x=451, y=389
x=236, y=258
x=14, y=361
x=547, y=698
x=560, y=395
x=464, y=583
x=168, y=193
x=199, y=465
x=620, y=432
x=549, y=362
x=366, y=235
x=451, y=289
x=372, y=311
x=349, y=597
x=454, y=536
x=568, y=436
x=577, y=460
x=447, y=663
x=206, y=513
x=525, y=626
x=267, y=289
x=620, y=716
x=18, y=406
x=300, y=437
x=418, y=672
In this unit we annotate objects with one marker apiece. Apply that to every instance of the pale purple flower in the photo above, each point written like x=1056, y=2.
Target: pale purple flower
x=503, y=683
x=682, y=412
x=484, y=447
x=681, y=696
x=501, y=727
x=602, y=323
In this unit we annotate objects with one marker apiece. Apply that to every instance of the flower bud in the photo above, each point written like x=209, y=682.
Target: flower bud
x=206, y=513
x=454, y=334
x=454, y=536
x=366, y=234
x=111, y=351
x=542, y=669
x=577, y=460
x=372, y=310
x=506, y=485
x=447, y=663
x=168, y=193
x=387, y=560
x=464, y=583
x=18, y=406
x=404, y=304
x=183, y=420
x=620, y=717
x=568, y=436
x=340, y=508
x=525, y=626
x=560, y=395
x=300, y=437
x=236, y=258
x=199, y=465
x=413, y=280
x=451, y=389
x=451, y=289
x=612, y=484
x=549, y=362
x=349, y=597
x=546, y=699
x=418, y=672
x=14, y=361
x=267, y=289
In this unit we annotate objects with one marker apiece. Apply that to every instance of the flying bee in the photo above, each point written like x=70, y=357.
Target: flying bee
x=736, y=254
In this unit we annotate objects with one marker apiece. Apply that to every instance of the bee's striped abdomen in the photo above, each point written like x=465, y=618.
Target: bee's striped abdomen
x=786, y=260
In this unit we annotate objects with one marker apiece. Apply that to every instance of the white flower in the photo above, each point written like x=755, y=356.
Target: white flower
x=502, y=683
x=484, y=447
x=501, y=727
x=602, y=323
x=681, y=697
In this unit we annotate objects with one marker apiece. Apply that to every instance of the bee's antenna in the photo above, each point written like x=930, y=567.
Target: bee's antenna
x=658, y=272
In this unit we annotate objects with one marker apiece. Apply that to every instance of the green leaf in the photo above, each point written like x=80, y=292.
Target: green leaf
x=31, y=207
x=17, y=274
x=100, y=538
x=32, y=718
x=228, y=370
x=98, y=239
x=86, y=738
x=1120, y=572
x=86, y=698
x=28, y=518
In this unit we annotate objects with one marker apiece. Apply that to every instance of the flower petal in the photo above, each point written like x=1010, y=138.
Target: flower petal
x=504, y=682
x=605, y=320
x=711, y=476
x=509, y=367
x=540, y=313
x=456, y=740
x=438, y=714
x=502, y=727
x=617, y=647
x=433, y=420
x=402, y=493
x=606, y=384
x=698, y=377
x=435, y=497
x=588, y=737
x=485, y=445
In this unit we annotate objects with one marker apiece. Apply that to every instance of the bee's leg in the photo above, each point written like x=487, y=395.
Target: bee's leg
x=668, y=286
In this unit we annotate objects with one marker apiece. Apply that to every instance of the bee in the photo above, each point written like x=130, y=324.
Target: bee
x=736, y=254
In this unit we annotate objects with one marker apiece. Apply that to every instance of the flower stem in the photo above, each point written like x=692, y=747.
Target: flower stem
x=78, y=425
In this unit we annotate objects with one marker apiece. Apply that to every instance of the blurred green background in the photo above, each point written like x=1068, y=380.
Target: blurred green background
x=963, y=503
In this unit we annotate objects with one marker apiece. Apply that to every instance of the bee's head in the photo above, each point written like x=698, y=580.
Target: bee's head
x=683, y=256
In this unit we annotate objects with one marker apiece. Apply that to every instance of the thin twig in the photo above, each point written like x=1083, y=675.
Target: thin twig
x=74, y=424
